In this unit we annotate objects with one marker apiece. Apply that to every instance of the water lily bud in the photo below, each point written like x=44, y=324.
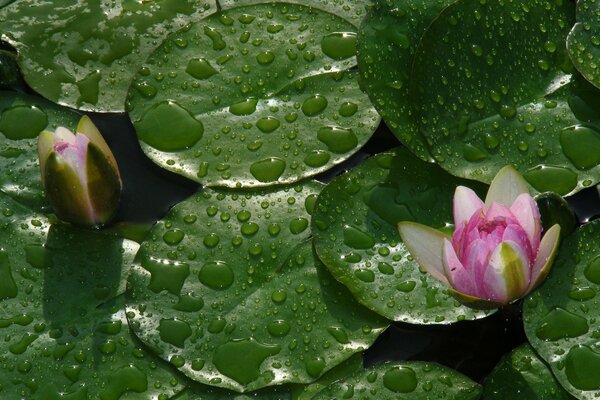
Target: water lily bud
x=497, y=253
x=80, y=174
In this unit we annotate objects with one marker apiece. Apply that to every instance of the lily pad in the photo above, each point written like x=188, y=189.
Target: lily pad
x=387, y=44
x=22, y=118
x=355, y=235
x=91, y=62
x=253, y=96
x=352, y=10
x=204, y=392
x=583, y=41
x=522, y=375
x=480, y=109
x=561, y=317
x=64, y=332
x=402, y=381
x=227, y=289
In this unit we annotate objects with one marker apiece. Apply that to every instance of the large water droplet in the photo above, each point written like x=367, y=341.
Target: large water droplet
x=357, y=238
x=560, y=324
x=174, y=331
x=339, y=45
x=548, y=178
x=582, y=367
x=247, y=368
x=400, y=379
x=314, y=105
x=245, y=107
x=216, y=275
x=23, y=122
x=581, y=145
x=338, y=140
x=268, y=170
x=166, y=275
x=200, y=68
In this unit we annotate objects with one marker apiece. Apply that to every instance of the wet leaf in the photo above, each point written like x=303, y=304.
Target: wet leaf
x=584, y=39
x=204, y=392
x=561, y=316
x=91, y=63
x=408, y=380
x=64, y=332
x=22, y=118
x=355, y=235
x=503, y=92
x=522, y=375
x=351, y=10
x=253, y=96
x=227, y=289
x=387, y=43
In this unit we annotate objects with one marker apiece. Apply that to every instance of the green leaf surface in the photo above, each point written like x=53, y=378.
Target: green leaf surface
x=583, y=41
x=522, y=375
x=355, y=235
x=65, y=334
x=494, y=86
x=403, y=381
x=203, y=392
x=561, y=317
x=253, y=96
x=84, y=53
x=351, y=10
x=22, y=118
x=228, y=290
x=387, y=44
x=348, y=367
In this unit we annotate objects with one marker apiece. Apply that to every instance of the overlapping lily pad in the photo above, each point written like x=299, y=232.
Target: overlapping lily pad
x=352, y=10
x=561, y=317
x=494, y=86
x=355, y=232
x=22, y=118
x=403, y=381
x=64, y=332
x=522, y=375
x=253, y=96
x=228, y=290
x=583, y=41
x=84, y=53
x=387, y=44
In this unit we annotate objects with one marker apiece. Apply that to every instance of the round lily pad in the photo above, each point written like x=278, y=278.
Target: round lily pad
x=22, y=118
x=522, y=375
x=352, y=10
x=65, y=334
x=561, y=317
x=84, y=53
x=387, y=43
x=403, y=381
x=228, y=290
x=583, y=41
x=355, y=235
x=253, y=96
x=494, y=86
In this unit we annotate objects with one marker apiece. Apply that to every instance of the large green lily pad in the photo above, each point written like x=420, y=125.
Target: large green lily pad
x=352, y=10
x=583, y=41
x=403, y=381
x=355, y=235
x=494, y=86
x=253, y=96
x=65, y=335
x=561, y=317
x=228, y=290
x=387, y=43
x=84, y=53
x=22, y=118
x=522, y=375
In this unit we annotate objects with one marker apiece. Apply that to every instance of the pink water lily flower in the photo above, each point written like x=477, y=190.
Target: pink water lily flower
x=80, y=174
x=496, y=254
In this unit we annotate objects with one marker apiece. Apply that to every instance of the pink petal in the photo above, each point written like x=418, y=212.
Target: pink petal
x=516, y=234
x=507, y=275
x=465, y=204
x=500, y=211
x=459, y=278
x=527, y=213
x=475, y=261
x=506, y=186
x=425, y=245
x=545, y=256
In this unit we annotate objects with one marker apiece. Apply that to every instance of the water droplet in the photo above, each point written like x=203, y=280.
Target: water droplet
x=216, y=275
x=38, y=256
x=249, y=228
x=315, y=366
x=339, y=45
x=560, y=324
x=169, y=127
x=357, y=238
x=23, y=122
x=400, y=379
x=473, y=153
x=365, y=275
x=244, y=369
x=268, y=169
x=348, y=109
x=582, y=367
x=125, y=379
x=173, y=237
x=592, y=271
x=278, y=328
x=548, y=178
x=174, y=331
x=166, y=275
x=339, y=334
x=245, y=107
x=211, y=240
x=279, y=296
x=298, y=225
x=215, y=36
x=581, y=145
x=314, y=105
x=265, y=58
x=338, y=140
x=317, y=158
x=406, y=286
x=200, y=68
x=268, y=124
